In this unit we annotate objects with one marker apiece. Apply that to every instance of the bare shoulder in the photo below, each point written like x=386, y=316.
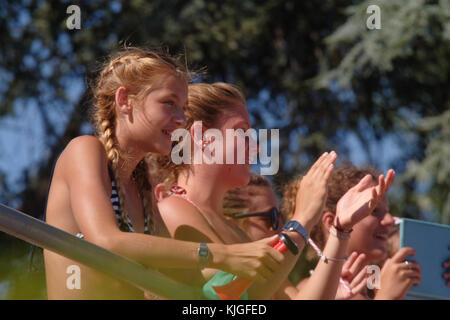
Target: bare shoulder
x=184, y=221
x=84, y=146
x=178, y=211
x=84, y=151
x=83, y=158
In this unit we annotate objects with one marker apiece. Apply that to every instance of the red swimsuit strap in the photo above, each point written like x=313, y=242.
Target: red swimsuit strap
x=181, y=192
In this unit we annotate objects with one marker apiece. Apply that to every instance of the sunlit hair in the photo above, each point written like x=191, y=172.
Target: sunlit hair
x=341, y=180
x=138, y=71
x=206, y=103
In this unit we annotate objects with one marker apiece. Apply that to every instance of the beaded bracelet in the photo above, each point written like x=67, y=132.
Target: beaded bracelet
x=326, y=259
x=342, y=230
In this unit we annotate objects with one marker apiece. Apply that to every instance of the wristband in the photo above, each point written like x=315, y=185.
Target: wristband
x=338, y=234
x=292, y=247
x=294, y=225
x=341, y=229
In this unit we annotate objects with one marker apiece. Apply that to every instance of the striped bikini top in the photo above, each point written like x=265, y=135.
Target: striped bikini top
x=125, y=226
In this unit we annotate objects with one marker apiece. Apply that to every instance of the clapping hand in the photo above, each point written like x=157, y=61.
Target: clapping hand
x=313, y=190
x=361, y=200
x=353, y=277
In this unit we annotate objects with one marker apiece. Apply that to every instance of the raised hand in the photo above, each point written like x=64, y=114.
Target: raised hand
x=397, y=276
x=361, y=200
x=353, y=277
x=313, y=190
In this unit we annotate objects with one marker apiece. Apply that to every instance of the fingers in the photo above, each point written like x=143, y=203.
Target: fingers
x=349, y=263
x=264, y=273
x=328, y=171
x=373, y=202
x=446, y=275
x=390, y=177
x=356, y=267
x=273, y=259
x=318, y=162
x=327, y=166
x=360, y=281
x=411, y=274
x=413, y=265
x=446, y=264
x=320, y=167
x=380, y=187
x=270, y=241
x=364, y=183
x=401, y=254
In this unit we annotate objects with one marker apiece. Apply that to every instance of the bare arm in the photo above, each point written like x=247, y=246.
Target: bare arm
x=356, y=204
x=86, y=175
x=310, y=201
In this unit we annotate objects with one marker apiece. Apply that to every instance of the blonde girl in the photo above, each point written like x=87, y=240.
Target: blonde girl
x=100, y=190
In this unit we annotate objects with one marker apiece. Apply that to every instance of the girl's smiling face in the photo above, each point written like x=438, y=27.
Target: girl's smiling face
x=161, y=113
x=370, y=235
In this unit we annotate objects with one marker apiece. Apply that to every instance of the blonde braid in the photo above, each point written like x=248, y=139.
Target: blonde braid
x=138, y=70
x=109, y=141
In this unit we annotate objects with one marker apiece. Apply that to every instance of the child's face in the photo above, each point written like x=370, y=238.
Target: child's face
x=161, y=113
x=261, y=199
x=370, y=235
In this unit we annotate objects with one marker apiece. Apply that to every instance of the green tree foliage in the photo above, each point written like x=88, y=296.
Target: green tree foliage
x=310, y=68
x=400, y=75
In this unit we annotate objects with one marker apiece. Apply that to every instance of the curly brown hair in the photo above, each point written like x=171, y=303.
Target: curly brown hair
x=341, y=180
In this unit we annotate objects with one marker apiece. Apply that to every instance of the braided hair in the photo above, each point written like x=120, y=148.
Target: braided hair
x=138, y=70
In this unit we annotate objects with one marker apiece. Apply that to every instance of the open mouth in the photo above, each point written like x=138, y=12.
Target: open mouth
x=382, y=237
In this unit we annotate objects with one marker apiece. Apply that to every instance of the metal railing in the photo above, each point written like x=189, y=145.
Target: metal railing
x=41, y=234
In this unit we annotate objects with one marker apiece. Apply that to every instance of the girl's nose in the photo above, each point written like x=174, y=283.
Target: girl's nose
x=387, y=220
x=180, y=118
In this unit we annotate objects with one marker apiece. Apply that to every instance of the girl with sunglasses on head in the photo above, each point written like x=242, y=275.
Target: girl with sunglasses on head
x=194, y=211
x=254, y=208
x=101, y=192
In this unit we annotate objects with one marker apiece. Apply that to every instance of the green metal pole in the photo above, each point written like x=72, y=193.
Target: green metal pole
x=48, y=237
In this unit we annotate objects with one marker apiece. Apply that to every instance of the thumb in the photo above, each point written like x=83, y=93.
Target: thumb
x=401, y=254
x=270, y=241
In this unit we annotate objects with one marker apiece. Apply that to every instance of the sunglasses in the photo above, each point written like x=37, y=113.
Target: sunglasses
x=273, y=213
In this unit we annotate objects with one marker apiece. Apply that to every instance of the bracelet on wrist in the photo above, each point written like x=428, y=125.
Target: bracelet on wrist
x=338, y=234
x=294, y=225
x=340, y=229
x=326, y=259
x=291, y=245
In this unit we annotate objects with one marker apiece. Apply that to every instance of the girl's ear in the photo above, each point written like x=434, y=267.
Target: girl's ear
x=161, y=192
x=123, y=104
x=197, y=131
x=327, y=219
